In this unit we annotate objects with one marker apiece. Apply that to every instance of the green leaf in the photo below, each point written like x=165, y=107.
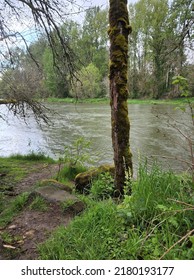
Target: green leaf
x=191, y=238
x=162, y=207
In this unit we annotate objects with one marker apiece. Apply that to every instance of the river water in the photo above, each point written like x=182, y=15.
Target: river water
x=150, y=133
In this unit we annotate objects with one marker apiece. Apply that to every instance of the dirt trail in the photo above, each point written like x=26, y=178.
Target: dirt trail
x=43, y=172
x=32, y=227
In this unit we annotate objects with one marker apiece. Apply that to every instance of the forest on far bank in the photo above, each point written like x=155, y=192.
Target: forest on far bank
x=160, y=48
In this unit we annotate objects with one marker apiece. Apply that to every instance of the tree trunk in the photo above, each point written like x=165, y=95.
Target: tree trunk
x=119, y=30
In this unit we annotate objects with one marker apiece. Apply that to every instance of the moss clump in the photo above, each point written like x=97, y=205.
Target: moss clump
x=83, y=180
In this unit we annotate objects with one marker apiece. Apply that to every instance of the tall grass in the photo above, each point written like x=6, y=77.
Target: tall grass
x=159, y=209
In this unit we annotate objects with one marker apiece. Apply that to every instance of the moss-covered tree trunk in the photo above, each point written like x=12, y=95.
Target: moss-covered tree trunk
x=119, y=30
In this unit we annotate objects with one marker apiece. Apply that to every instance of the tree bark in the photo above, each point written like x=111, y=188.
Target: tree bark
x=119, y=29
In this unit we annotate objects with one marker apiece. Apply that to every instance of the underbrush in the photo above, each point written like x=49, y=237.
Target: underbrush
x=155, y=222
x=68, y=173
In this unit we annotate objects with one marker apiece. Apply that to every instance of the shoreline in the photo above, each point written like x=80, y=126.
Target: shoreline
x=176, y=101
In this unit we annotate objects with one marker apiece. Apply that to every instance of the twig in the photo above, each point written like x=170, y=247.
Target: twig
x=179, y=241
x=181, y=202
x=175, y=158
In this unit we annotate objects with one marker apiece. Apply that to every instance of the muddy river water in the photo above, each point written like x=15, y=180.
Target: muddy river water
x=152, y=132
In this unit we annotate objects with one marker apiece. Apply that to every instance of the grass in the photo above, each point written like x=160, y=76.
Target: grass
x=13, y=208
x=74, y=100
x=152, y=223
x=32, y=157
x=174, y=101
x=16, y=167
x=105, y=100
x=68, y=173
x=39, y=204
x=90, y=236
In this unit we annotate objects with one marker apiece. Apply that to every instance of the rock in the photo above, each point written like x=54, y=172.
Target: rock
x=75, y=207
x=83, y=180
x=55, y=184
x=58, y=195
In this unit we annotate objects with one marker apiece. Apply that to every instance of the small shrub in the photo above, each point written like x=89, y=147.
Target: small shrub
x=74, y=160
x=69, y=172
x=102, y=187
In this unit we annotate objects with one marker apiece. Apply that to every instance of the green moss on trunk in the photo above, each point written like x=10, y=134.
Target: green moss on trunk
x=118, y=33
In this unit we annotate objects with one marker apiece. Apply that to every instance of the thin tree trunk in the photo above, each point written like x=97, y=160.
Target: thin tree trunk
x=119, y=30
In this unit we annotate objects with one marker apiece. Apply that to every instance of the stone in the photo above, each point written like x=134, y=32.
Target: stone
x=83, y=180
x=58, y=195
x=53, y=194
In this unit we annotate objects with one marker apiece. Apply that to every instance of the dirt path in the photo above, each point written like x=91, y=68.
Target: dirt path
x=42, y=172
x=32, y=227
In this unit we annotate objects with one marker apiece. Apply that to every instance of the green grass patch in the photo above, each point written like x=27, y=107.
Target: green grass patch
x=93, y=235
x=39, y=204
x=81, y=100
x=32, y=157
x=13, y=208
x=106, y=100
x=174, y=101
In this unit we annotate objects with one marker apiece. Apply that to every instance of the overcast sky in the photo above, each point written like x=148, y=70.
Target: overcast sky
x=91, y=3
x=103, y=2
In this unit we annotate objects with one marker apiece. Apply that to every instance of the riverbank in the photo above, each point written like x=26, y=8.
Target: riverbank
x=178, y=101
x=156, y=222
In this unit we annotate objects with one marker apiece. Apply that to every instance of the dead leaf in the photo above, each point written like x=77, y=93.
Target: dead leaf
x=9, y=246
x=29, y=233
x=12, y=227
x=20, y=242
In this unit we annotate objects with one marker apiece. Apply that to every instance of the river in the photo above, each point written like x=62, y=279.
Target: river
x=150, y=133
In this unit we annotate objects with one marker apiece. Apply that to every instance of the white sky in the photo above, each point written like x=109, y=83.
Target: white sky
x=103, y=2
x=91, y=3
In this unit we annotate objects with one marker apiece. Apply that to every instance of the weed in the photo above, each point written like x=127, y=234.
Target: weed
x=102, y=187
x=74, y=160
x=6, y=237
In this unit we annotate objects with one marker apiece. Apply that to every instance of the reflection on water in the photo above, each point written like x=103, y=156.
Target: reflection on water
x=150, y=134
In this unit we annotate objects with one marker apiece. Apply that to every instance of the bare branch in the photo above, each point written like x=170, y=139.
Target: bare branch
x=179, y=241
